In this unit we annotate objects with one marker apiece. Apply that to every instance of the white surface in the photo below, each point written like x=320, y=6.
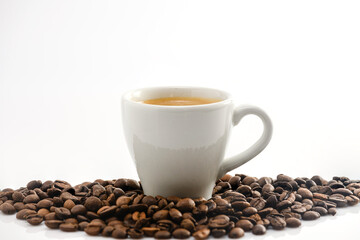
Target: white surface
x=64, y=65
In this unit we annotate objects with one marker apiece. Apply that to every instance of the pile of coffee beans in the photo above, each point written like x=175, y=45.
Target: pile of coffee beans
x=239, y=204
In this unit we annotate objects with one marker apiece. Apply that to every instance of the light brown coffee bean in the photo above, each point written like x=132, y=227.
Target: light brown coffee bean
x=43, y=212
x=69, y=204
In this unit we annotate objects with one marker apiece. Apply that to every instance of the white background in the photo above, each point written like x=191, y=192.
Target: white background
x=64, y=65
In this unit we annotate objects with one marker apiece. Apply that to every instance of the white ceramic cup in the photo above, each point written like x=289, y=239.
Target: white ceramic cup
x=179, y=150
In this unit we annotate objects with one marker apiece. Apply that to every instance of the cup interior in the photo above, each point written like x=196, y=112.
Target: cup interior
x=144, y=94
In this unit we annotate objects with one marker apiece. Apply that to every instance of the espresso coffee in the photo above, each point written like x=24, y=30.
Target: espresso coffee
x=181, y=101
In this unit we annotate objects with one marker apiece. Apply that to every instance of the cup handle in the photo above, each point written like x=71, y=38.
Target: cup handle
x=241, y=158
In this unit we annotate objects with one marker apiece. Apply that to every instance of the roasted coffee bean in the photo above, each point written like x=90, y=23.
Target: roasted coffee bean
x=162, y=214
x=82, y=226
x=34, y=184
x=19, y=206
x=120, y=232
x=8, y=208
x=187, y=224
x=62, y=213
x=22, y=214
x=34, y=219
x=259, y=229
x=45, y=203
x=305, y=193
x=342, y=191
x=218, y=232
x=78, y=210
x=338, y=199
x=68, y=227
x=150, y=231
x=277, y=221
x=321, y=210
x=106, y=211
x=185, y=205
x=220, y=221
x=107, y=231
x=53, y=224
x=93, y=229
x=332, y=211
x=43, y=212
x=258, y=203
x=298, y=208
x=246, y=225
x=202, y=233
x=311, y=215
x=149, y=200
x=162, y=234
x=181, y=233
x=69, y=204
x=236, y=233
x=249, y=211
x=33, y=198
x=123, y=200
x=50, y=216
x=93, y=204
x=309, y=183
x=18, y=197
x=352, y=200
x=293, y=222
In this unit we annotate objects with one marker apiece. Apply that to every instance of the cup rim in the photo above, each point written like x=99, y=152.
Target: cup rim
x=126, y=96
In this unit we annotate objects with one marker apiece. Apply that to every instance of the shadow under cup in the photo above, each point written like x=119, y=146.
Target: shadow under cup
x=177, y=150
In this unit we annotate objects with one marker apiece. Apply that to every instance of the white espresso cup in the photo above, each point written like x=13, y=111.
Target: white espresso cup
x=179, y=150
